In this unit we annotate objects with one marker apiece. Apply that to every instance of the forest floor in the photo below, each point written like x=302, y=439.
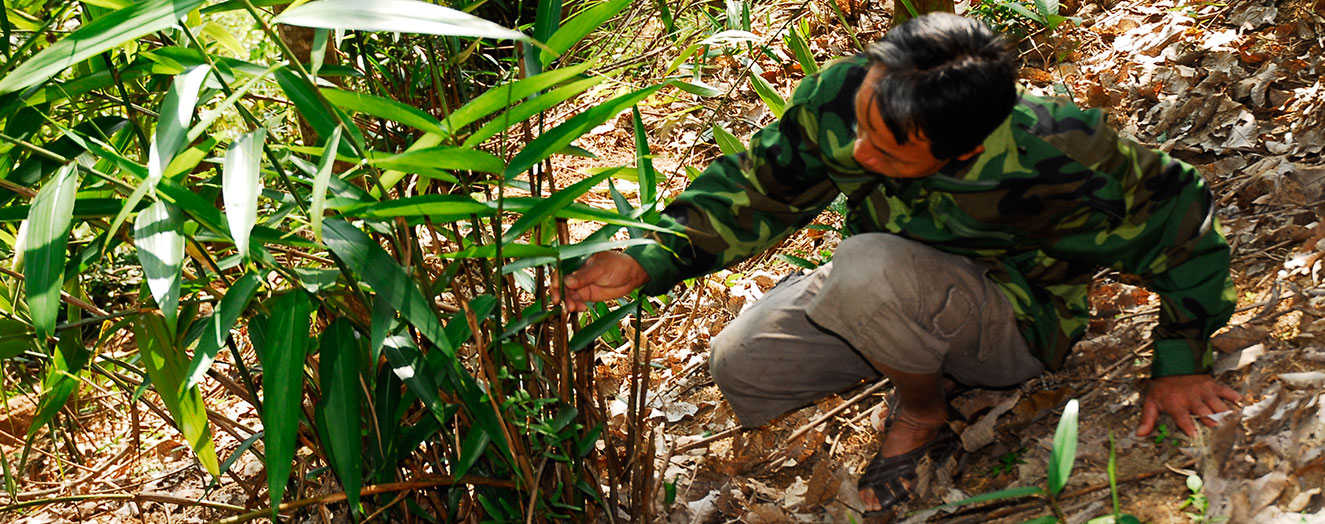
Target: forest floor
x=1235, y=89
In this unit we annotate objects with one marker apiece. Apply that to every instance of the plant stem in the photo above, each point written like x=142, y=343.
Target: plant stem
x=371, y=490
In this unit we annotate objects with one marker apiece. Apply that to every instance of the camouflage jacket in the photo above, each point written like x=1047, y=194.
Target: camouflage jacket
x=1054, y=196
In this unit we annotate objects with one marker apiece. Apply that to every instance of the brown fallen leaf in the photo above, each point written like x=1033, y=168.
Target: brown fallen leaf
x=1239, y=337
x=824, y=482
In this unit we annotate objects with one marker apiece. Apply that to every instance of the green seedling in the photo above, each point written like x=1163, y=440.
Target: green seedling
x=1162, y=435
x=1196, y=500
x=1007, y=462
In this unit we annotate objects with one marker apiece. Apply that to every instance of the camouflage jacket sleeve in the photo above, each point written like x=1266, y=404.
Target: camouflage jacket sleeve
x=744, y=203
x=1162, y=228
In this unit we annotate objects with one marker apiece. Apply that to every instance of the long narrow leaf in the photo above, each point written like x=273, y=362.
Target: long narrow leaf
x=370, y=262
x=45, y=245
x=500, y=97
x=338, y=412
x=528, y=109
x=561, y=136
x=383, y=108
x=173, y=125
x=578, y=27
x=218, y=326
x=241, y=183
x=648, y=178
x=770, y=96
x=584, y=338
x=161, y=252
x=102, y=34
x=283, y=386
x=165, y=363
x=727, y=142
x=320, y=182
x=551, y=204
x=1064, y=454
x=440, y=157
x=396, y=16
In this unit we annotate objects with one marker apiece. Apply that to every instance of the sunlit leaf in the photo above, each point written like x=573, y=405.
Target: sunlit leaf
x=396, y=16
x=574, y=30
x=382, y=107
x=241, y=183
x=574, y=127
x=769, y=95
x=727, y=142
x=283, y=386
x=320, y=182
x=160, y=244
x=528, y=109
x=551, y=204
x=165, y=363
x=503, y=96
x=102, y=34
x=173, y=124
x=1064, y=453
x=45, y=245
x=441, y=157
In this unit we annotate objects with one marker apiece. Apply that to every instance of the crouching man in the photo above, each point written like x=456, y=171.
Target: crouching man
x=979, y=212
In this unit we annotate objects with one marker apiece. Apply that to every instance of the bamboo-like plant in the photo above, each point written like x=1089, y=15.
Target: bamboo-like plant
x=367, y=226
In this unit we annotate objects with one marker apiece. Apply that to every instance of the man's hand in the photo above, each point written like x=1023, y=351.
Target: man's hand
x=607, y=275
x=1182, y=397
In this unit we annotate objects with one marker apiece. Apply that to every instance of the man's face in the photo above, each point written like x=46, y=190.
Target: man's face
x=876, y=147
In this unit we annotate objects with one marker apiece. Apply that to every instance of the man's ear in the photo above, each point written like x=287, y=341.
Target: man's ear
x=970, y=154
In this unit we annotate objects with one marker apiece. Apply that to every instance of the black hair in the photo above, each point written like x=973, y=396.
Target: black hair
x=948, y=77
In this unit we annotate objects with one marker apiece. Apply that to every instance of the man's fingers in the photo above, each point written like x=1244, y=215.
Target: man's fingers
x=1184, y=421
x=1228, y=394
x=1149, y=412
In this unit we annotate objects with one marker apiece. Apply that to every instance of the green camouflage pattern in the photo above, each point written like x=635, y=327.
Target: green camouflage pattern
x=1055, y=196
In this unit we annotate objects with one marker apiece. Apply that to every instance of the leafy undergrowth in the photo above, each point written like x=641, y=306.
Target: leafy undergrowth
x=1234, y=89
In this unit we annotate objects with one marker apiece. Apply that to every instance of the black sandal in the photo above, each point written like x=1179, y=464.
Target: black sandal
x=890, y=477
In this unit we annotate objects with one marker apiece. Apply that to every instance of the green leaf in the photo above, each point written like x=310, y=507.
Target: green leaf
x=1064, y=453
x=217, y=330
x=1025, y=12
x=164, y=363
x=338, y=412
x=429, y=160
x=528, y=109
x=547, y=19
x=99, y=36
x=384, y=108
x=796, y=41
x=441, y=208
x=1043, y=519
x=500, y=97
x=45, y=245
x=283, y=386
x=318, y=207
x=320, y=116
x=1012, y=493
x=648, y=178
x=585, y=337
x=697, y=88
x=61, y=378
x=727, y=142
x=552, y=204
x=241, y=183
x=395, y=16
x=173, y=124
x=561, y=136
x=16, y=338
x=769, y=95
x=578, y=27
x=156, y=232
x=366, y=258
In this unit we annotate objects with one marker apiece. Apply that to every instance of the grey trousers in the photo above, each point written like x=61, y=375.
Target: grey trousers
x=884, y=299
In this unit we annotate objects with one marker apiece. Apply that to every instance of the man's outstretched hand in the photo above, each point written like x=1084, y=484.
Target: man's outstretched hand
x=1183, y=397
x=607, y=275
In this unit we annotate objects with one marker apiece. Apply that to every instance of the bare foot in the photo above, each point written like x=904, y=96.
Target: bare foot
x=904, y=433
